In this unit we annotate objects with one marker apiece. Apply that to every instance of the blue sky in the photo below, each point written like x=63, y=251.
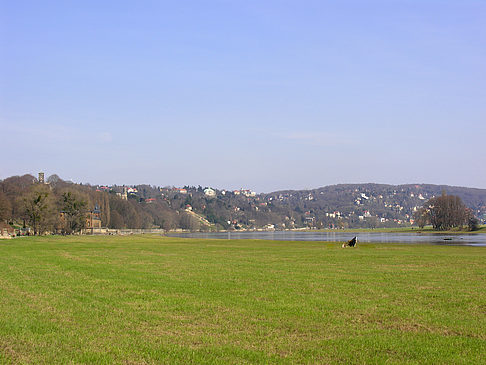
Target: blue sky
x=264, y=95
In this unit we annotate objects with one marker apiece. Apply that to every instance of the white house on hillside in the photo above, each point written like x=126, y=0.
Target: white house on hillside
x=209, y=192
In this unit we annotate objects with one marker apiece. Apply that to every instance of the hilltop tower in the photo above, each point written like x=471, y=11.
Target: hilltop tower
x=41, y=178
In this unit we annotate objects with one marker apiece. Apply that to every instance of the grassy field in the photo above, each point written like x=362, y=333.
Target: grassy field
x=148, y=299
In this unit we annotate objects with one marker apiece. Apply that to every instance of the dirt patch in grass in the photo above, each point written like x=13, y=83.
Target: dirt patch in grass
x=11, y=354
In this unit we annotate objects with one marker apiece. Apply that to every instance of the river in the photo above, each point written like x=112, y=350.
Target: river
x=478, y=239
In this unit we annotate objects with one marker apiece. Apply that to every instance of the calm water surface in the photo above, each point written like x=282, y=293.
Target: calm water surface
x=478, y=239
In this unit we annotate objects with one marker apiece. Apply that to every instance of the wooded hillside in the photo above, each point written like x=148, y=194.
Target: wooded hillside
x=27, y=202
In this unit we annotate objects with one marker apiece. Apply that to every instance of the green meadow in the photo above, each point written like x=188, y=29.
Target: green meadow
x=153, y=300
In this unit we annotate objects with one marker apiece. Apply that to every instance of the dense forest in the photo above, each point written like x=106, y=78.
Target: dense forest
x=59, y=206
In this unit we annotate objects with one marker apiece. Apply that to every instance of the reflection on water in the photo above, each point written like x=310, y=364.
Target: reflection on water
x=376, y=237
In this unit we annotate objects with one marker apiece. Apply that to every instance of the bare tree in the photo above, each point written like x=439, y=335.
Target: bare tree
x=447, y=211
x=190, y=222
x=5, y=207
x=116, y=220
x=38, y=208
x=421, y=217
x=73, y=210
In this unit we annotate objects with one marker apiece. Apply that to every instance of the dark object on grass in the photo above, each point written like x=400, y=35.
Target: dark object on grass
x=351, y=243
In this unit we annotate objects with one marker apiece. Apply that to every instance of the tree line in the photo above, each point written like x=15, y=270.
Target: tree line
x=62, y=207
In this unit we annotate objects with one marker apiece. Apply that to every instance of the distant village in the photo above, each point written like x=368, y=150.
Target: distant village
x=371, y=205
x=397, y=206
x=146, y=208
